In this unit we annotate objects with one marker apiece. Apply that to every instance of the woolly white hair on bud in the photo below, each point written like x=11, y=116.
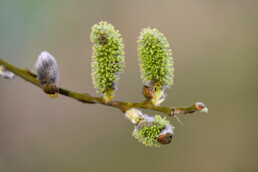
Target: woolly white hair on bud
x=6, y=73
x=168, y=129
x=205, y=110
x=46, y=68
x=148, y=118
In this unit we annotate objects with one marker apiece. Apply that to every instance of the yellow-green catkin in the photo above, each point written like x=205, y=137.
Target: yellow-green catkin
x=150, y=131
x=107, y=59
x=156, y=62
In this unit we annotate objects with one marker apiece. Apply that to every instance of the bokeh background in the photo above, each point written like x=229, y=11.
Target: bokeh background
x=214, y=45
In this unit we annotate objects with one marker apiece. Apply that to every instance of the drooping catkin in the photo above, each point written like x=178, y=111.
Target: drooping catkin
x=151, y=131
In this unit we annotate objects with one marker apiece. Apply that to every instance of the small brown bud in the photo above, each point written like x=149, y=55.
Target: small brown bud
x=50, y=89
x=165, y=138
x=147, y=92
x=201, y=107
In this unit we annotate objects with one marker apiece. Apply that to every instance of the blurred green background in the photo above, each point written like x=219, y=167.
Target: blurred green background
x=214, y=45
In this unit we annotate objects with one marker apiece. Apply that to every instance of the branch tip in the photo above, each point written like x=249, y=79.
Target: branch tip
x=201, y=107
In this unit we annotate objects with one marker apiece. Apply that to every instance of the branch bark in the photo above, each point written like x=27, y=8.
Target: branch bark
x=86, y=98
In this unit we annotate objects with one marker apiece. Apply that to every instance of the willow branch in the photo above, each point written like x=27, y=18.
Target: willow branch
x=86, y=98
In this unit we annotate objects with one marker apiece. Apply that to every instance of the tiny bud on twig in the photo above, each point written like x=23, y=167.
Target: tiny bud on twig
x=6, y=73
x=147, y=92
x=201, y=107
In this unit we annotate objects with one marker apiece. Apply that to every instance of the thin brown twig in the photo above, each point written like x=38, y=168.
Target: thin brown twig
x=86, y=98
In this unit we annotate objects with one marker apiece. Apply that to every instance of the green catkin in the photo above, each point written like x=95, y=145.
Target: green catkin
x=156, y=63
x=107, y=58
x=150, y=130
x=147, y=132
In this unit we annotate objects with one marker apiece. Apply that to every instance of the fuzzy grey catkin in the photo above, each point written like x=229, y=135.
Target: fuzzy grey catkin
x=46, y=67
x=47, y=73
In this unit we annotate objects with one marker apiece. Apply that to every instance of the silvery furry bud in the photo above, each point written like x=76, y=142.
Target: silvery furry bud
x=6, y=73
x=47, y=73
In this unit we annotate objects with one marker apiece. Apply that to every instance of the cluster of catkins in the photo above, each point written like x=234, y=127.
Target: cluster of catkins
x=156, y=63
x=156, y=66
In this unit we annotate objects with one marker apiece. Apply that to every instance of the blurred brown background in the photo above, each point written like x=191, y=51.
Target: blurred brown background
x=214, y=45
